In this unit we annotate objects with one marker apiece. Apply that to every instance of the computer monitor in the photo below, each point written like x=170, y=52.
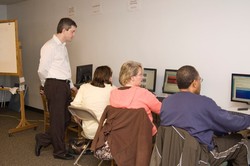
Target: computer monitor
x=170, y=83
x=83, y=74
x=240, y=88
x=149, y=79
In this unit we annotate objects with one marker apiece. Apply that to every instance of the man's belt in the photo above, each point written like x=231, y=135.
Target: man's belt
x=66, y=81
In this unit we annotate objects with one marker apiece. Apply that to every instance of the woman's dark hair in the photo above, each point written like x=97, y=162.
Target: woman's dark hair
x=185, y=76
x=102, y=75
x=65, y=23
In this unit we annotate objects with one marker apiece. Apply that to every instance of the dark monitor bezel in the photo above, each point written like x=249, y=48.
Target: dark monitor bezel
x=88, y=70
x=247, y=101
x=151, y=89
x=165, y=79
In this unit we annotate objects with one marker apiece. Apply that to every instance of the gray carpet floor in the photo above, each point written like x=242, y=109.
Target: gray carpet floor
x=18, y=149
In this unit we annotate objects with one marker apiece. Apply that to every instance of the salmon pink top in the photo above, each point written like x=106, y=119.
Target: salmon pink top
x=136, y=97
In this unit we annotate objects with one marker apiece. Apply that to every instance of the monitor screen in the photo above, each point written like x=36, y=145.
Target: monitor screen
x=170, y=83
x=84, y=73
x=240, y=88
x=149, y=79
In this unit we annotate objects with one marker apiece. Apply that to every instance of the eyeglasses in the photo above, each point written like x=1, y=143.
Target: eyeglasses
x=139, y=74
x=201, y=79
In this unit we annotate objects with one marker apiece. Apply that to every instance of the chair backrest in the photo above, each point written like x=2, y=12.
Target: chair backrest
x=175, y=146
x=45, y=111
x=129, y=134
x=44, y=100
x=83, y=114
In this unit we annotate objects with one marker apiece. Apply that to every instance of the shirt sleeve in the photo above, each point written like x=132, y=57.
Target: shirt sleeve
x=225, y=121
x=153, y=103
x=45, y=63
x=78, y=100
x=71, y=84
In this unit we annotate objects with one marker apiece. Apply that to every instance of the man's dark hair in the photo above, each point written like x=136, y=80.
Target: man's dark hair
x=185, y=76
x=65, y=23
x=102, y=75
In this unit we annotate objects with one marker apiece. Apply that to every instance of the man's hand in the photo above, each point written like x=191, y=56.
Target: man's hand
x=74, y=91
x=41, y=90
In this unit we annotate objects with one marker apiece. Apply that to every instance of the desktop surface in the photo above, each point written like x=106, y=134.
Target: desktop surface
x=236, y=110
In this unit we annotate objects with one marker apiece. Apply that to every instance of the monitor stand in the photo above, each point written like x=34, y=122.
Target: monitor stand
x=160, y=98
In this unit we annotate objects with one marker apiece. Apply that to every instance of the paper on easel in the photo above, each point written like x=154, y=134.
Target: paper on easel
x=96, y=7
x=21, y=80
x=134, y=5
x=13, y=90
x=21, y=87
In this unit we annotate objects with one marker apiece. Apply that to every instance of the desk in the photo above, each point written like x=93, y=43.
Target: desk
x=235, y=109
x=23, y=124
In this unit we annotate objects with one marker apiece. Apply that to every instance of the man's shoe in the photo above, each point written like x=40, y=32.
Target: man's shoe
x=64, y=157
x=38, y=148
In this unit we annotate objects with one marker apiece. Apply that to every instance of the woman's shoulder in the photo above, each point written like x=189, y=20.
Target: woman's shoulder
x=85, y=85
x=109, y=86
x=140, y=89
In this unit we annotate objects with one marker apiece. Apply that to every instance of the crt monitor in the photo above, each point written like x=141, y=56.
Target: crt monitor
x=240, y=88
x=83, y=74
x=149, y=79
x=170, y=83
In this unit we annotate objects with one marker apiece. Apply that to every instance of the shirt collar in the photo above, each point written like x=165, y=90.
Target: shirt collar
x=58, y=41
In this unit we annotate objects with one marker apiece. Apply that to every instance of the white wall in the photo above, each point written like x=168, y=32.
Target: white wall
x=3, y=12
x=212, y=35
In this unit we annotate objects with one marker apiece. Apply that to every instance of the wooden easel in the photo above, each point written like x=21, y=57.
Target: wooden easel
x=16, y=62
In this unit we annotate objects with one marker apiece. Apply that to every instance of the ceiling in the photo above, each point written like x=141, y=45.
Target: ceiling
x=8, y=2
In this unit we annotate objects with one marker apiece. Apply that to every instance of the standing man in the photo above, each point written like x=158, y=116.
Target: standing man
x=55, y=75
x=203, y=119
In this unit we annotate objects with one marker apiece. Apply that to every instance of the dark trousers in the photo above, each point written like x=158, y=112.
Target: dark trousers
x=58, y=96
x=231, y=148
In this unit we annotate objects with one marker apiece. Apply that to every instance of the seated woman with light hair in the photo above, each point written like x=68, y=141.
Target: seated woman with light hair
x=95, y=96
x=131, y=95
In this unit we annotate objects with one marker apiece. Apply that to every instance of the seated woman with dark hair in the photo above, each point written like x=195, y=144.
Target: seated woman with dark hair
x=95, y=96
x=131, y=95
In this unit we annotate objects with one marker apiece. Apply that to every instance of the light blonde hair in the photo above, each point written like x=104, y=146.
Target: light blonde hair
x=128, y=70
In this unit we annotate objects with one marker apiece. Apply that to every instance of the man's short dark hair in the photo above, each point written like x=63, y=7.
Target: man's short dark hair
x=65, y=23
x=185, y=76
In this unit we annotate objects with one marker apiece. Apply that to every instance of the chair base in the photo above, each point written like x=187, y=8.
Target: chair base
x=84, y=149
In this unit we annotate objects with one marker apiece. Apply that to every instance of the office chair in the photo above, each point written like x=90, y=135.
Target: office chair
x=83, y=114
x=45, y=112
x=73, y=126
x=175, y=146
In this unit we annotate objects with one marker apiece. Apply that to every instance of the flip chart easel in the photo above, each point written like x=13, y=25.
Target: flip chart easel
x=11, y=65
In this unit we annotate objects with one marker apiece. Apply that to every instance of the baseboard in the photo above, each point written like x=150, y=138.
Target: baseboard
x=28, y=108
x=34, y=109
x=6, y=103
